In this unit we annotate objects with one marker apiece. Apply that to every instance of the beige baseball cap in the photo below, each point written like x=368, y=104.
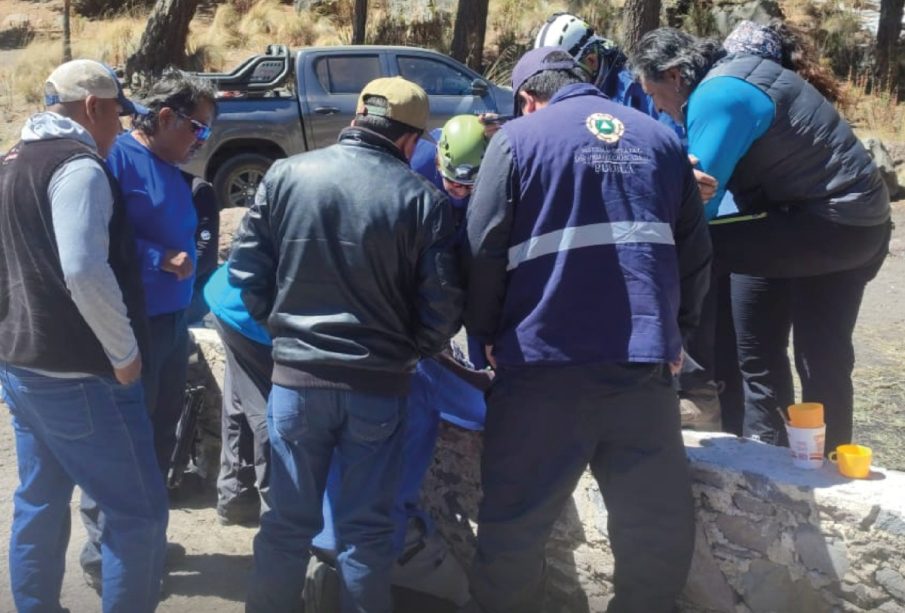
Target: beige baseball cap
x=78, y=79
x=406, y=102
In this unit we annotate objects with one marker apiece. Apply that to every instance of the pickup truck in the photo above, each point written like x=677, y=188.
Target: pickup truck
x=279, y=103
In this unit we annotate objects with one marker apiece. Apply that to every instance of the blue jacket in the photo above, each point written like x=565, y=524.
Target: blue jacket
x=619, y=85
x=226, y=304
x=159, y=205
x=586, y=239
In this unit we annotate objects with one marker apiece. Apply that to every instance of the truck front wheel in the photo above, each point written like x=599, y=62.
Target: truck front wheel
x=236, y=181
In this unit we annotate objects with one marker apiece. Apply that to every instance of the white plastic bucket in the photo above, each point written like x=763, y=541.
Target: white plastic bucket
x=806, y=445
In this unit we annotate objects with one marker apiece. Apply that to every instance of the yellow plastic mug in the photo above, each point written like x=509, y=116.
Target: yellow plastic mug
x=853, y=460
x=806, y=415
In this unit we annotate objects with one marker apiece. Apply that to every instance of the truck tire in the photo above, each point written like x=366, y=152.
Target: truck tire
x=236, y=181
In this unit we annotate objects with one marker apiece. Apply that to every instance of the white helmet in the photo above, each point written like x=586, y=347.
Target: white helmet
x=568, y=31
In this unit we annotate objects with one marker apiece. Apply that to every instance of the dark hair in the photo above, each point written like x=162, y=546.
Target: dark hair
x=546, y=83
x=799, y=56
x=665, y=48
x=386, y=127
x=177, y=90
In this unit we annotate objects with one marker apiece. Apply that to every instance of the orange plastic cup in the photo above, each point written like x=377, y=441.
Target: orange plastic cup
x=853, y=460
x=806, y=415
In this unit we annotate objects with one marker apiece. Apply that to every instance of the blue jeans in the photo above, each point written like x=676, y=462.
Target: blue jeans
x=436, y=392
x=96, y=434
x=163, y=377
x=306, y=427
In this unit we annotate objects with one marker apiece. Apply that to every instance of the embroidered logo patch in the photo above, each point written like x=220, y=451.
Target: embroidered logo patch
x=605, y=127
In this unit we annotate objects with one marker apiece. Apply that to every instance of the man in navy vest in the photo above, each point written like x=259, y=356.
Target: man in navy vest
x=587, y=254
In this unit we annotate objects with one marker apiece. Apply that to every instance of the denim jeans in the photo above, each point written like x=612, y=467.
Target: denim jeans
x=163, y=377
x=95, y=434
x=436, y=392
x=307, y=426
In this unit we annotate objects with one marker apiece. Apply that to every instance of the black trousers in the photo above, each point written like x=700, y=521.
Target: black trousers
x=710, y=355
x=798, y=272
x=245, y=450
x=544, y=426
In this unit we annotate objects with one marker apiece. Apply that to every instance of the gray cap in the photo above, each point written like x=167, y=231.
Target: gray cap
x=78, y=79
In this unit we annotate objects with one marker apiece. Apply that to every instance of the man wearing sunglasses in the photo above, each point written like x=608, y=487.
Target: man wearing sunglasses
x=160, y=208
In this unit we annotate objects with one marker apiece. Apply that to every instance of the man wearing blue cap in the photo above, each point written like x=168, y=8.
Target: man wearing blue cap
x=73, y=331
x=587, y=255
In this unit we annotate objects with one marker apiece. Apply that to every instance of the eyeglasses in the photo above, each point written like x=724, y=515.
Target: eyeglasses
x=202, y=131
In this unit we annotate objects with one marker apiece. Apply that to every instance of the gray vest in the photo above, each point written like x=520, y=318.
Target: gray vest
x=809, y=157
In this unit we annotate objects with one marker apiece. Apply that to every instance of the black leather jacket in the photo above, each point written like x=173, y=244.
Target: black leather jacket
x=347, y=255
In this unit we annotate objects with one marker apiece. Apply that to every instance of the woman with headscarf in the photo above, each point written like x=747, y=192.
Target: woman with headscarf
x=813, y=213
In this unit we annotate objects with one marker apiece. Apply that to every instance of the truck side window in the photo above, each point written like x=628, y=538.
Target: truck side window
x=437, y=78
x=346, y=74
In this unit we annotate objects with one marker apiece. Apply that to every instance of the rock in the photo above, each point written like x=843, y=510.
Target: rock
x=726, y=15
x=861, y=595
x=892, y=582
x=892, y=523
x=740, y=531
x=821, y=553
x=752, y=505
x=768, y=588
x=707, y=587
x=891, y=607
x=884, y=162
x=229, y=223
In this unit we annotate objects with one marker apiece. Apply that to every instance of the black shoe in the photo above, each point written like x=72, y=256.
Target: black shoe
x=174, y=556
x=94, y=578
x=241, y=511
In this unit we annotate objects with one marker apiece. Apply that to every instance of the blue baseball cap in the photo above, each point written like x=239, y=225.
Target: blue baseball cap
x=535, y=62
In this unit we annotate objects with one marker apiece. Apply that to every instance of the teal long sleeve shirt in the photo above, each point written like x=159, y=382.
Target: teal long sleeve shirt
x=724, y=117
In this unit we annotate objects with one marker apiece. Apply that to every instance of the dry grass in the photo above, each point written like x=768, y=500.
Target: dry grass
x=876, y=114
x=110, y=41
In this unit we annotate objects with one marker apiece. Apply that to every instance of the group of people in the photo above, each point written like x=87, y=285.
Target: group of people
x=581, y=243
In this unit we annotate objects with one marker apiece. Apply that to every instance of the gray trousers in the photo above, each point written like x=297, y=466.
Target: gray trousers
x=544, y=426
x=245, y=451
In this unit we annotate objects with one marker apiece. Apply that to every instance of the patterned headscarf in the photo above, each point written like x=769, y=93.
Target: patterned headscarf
x=754, y=39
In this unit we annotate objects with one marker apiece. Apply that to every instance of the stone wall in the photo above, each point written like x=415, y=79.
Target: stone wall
x=770, y=537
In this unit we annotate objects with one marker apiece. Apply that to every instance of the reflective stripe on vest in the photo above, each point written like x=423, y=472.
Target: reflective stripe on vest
x=613, y=233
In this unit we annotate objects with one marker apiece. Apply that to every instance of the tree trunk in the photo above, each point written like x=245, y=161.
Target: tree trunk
x=67, y=34
x=640, y=17
x=468, y=35
x=886, y=68
x=359, y=22
x=163, y=41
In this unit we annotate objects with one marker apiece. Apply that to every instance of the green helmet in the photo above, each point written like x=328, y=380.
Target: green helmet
x=461, y=149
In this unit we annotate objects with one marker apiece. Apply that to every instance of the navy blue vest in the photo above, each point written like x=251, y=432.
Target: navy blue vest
x=593, y=271
x=808, y=158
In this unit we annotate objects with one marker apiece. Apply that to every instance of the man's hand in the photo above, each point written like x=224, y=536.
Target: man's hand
x=490, y=122
x=179, y=263
x=129, y=374
x=676, y=367
x=488, y=353
x=707, y=185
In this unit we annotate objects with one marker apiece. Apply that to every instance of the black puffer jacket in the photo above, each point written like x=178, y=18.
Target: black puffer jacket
x=347, y=255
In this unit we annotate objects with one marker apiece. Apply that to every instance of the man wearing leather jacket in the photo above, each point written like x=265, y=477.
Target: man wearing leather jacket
x=347, y=257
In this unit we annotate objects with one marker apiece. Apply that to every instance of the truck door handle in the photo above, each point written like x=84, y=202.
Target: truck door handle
x=326, y=110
